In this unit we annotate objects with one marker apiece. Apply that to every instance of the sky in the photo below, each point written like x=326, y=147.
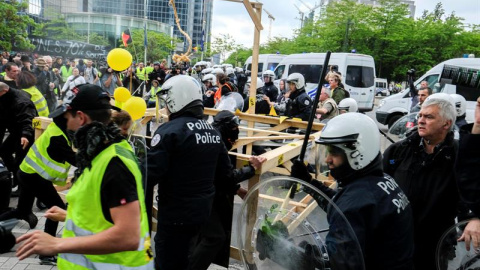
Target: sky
x=232, y=18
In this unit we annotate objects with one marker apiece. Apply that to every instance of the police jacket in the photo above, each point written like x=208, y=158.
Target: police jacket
x=16, y=114
x=271, y=91
x=467, y=171
x=299, y=105
x=380, y=216
x=428, y=180
x=186, y=155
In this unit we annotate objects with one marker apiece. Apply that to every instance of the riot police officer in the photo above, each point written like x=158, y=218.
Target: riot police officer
x=300, y=104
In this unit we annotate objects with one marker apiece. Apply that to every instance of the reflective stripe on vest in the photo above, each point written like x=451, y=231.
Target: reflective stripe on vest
x=37, y=159
x=85, y=194
x=39, y=101
x=82, y=260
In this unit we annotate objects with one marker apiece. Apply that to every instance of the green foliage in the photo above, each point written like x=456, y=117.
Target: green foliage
x=59, y=29
x=223, y=45
x=159, y=45
x=14, y=24
x=387, y=32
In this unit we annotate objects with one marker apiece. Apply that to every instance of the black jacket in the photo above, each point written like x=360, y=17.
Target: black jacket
x=271, y=91
x=186, y=155
x=429, y=183
x=299, y=105
x=156, y=74
x=380, y=216
x=467, y=171
x=16, y=114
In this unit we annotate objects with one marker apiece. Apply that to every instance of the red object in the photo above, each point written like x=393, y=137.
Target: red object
x=123, y=201
x=126, y=37
x=410, y=124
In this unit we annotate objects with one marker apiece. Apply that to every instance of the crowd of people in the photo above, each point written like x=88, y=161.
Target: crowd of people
x=398, y=202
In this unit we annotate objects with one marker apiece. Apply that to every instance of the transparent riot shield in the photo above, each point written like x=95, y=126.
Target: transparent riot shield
x=453, y=255
x=232, y=101
x=307, y=232
x=403, y=127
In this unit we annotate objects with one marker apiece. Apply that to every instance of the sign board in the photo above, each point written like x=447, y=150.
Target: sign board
x=68, y=48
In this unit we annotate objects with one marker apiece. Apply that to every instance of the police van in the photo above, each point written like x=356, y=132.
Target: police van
x=381, y=87
x=455, y=76
x=265, y=62
x=358, y=73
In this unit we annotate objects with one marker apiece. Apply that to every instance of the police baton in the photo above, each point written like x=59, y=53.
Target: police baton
x=321, y=82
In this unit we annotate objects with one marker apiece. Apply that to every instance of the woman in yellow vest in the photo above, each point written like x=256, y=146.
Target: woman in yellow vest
x=27, y=81
x=106, y=224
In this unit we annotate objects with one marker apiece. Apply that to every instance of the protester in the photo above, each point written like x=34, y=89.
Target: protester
x=73, y=81
x=105, y=223
x=27, y=81
x=91, y=73
x=110, y=80
x=11, y=73
x=327, y=108
x=123, y=120
x=337, y=91
x=423, y=166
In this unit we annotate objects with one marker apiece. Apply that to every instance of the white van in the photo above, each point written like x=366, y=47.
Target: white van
x=381, y=87
x=459, y=75
x=265, y=62
x=358, y=73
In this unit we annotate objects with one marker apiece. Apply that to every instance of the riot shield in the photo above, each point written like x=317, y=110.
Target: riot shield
x=453, y=255
x=403, y=127
x=232, y=101
x=307, y=232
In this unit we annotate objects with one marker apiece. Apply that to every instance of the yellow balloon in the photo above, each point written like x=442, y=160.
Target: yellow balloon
x=119, y=59
x=136, y=107
x=121, y=94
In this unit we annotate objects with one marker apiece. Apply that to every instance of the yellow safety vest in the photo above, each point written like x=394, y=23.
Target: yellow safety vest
x=153, y=93
x=66, y=72
x=149, y=70
x=141, y=74
x=85, y=216
x=39, y=101
x=38, y=161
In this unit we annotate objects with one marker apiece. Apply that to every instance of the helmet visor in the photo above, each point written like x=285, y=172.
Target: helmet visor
x=323, y=150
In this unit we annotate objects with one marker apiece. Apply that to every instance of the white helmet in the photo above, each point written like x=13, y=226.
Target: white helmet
x=260, y=83
x=298, y=79
x=179, y=91
x=207, y=71
x=460, y=104
x=443, y=96
x=268, y=73
x=356, y=134
x=348, y=104
x=239, y=69
x=216, y=71
x=229, y=71
x=210, y=78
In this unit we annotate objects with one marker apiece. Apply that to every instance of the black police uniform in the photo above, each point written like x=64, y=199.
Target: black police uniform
x=186, y=155
x=271, y=91
x=380, y=215
x=299, y=105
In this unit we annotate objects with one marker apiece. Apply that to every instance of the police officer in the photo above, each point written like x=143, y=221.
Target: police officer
x=372, y=202
x=106, y=216
x=186, y=155
x=300, y=104
x=269, y=89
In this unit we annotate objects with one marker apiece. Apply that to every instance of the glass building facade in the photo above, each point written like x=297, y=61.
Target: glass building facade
x=110, y=17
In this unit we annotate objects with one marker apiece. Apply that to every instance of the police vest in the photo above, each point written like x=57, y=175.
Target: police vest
x=39, y=101
x=153, y=93
x=141, y=74
x=37, y=159
x=66, y=72
x=85, y=194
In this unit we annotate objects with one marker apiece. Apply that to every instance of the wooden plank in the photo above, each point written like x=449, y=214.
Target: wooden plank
x=235, y=253
x=303, y=215
x=255, y=16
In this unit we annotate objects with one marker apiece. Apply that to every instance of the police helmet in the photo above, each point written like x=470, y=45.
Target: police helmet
x=179, y=91
x=348, y=105
x=297, y=79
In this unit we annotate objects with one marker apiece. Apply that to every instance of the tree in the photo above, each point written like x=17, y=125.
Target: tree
x=224, y=45
x=15, y=22
x=159, y=45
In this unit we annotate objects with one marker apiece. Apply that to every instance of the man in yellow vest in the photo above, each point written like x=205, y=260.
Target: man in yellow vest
x=106, y=225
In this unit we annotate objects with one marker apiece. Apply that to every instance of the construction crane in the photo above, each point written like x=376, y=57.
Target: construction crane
x=271, y=18
x=311, y=10
x=301, y=15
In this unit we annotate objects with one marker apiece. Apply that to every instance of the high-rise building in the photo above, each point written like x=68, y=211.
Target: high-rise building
x=410, y=3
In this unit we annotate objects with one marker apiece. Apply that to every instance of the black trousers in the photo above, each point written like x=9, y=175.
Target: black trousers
x=8, y=148
x=172, y=244
x=33, y=185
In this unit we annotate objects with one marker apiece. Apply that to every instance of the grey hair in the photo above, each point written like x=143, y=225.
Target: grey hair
x=3, y=86
x=324, y=89
x=446, y=109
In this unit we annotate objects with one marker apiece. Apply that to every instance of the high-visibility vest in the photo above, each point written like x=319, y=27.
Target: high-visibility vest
x=66, y=72
x=85, y=216
x=39, y=101
x=153, y=93
x=38, y=161
x=149, y=70
x=141, y=74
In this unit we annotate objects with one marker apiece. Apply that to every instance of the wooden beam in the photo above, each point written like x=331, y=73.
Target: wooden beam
x=255, y=16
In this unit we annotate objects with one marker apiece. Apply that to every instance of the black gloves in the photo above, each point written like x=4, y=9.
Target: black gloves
x=300, y=171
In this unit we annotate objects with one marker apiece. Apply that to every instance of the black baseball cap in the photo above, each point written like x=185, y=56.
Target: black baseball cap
x=82, y=98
